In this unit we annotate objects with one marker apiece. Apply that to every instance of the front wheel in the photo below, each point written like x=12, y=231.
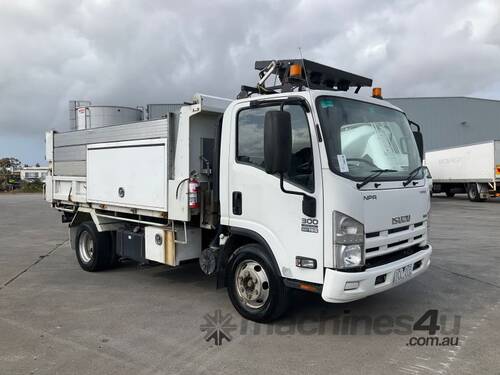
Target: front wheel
x=255, y=290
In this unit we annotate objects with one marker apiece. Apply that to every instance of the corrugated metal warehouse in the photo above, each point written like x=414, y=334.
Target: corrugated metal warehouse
x=452, y=121
x=158, y=111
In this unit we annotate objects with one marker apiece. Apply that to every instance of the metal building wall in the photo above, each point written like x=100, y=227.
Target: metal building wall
x=99, y=116
x=158, y=111
x=453, y=121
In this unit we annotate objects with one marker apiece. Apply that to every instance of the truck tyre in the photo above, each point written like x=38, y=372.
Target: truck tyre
x=93, y=249
x=473, y=193
x=256, y=291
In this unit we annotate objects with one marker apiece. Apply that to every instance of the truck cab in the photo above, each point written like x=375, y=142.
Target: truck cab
x=340, y=217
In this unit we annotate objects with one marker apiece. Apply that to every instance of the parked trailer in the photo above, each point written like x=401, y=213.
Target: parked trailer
x=298, y=185
x=473, y=169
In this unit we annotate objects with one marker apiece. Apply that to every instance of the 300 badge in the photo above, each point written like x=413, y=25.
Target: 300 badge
x=309, y=225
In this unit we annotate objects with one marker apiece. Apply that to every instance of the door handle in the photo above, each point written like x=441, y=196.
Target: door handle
x=237, y=204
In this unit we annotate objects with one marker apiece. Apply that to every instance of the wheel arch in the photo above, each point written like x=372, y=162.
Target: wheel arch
x=79, y=218
x=237, y=238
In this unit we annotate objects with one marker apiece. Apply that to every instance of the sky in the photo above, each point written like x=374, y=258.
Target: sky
x=153, y=51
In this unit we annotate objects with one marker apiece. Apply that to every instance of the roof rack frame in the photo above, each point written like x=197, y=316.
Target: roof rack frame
x=314, y=76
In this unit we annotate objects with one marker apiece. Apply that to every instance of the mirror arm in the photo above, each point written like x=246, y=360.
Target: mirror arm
x=308, y=202
x=282, y=186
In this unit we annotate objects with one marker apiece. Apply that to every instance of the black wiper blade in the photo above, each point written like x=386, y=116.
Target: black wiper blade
x=412, y=175
x=377, y=172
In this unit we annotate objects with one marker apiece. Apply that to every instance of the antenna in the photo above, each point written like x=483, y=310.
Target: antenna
x=304, y=65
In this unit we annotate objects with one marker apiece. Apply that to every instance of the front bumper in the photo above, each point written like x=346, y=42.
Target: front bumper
x=335, y=281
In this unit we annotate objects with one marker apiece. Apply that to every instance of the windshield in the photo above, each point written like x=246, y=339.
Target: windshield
x=361, y=138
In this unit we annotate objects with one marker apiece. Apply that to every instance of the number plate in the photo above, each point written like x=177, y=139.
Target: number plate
x=402, y=273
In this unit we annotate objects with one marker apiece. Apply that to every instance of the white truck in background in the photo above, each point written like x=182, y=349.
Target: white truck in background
x=472, y=169
x=300, y=184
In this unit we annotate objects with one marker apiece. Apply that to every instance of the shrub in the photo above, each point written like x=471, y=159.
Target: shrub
x=35, y=186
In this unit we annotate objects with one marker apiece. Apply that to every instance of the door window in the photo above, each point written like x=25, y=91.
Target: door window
x=250, y=143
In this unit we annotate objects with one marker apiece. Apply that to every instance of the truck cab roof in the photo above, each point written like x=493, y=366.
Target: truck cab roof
x=311, y=96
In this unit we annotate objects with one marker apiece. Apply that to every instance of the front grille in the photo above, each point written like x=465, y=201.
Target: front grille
x=392, y=257
x=385, y=242
x=393, y=230
x=400, y=229
x=397, y=243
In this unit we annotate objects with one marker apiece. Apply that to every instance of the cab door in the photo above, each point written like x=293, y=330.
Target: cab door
x=256, y=201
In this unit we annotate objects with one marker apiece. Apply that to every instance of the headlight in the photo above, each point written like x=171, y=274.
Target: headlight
x=348, y=241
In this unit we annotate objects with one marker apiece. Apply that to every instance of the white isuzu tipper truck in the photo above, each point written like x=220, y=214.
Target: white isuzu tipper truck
x=473, y=169
x=300, y=184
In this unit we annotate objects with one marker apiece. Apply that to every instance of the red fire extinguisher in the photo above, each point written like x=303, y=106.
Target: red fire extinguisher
x=193, y=188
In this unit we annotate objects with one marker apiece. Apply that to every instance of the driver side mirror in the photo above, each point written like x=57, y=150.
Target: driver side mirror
x=278, y=153
x=419, y=139
x=277, y=141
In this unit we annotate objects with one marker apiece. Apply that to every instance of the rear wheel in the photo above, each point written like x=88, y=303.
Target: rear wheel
x=473, y=193
x=94, y=250
x=255, y=290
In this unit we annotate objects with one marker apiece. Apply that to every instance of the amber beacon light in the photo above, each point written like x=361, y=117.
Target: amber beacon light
x=295, y=70
x=377, y=92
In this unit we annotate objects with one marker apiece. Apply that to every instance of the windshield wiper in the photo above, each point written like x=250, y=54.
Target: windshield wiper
x=377, y=172
x=412, y=175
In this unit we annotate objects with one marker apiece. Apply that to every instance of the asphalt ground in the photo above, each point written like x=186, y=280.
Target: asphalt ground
x=58, y=319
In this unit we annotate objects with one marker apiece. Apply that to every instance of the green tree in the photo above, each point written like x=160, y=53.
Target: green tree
x=7, y=166
x=13, y=163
